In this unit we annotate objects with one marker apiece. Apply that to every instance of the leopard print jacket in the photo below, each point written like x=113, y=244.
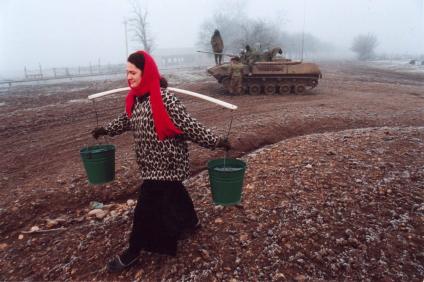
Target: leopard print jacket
x=167, y=159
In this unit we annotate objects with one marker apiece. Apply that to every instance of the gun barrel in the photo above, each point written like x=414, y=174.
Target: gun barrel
x=224, y=54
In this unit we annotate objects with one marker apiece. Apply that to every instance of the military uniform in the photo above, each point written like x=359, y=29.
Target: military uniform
x=236, y=75
x=217, y=46
x=253, y=56
x=245, y=54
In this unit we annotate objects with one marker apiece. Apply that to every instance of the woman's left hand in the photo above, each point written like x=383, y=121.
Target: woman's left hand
x=224, y=143
x=98, y=131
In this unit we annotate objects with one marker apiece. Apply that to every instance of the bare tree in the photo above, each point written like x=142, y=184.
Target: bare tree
x=140, y=27
x=292, y=44
x=238, y=31
x=229, y=27
x=364, y=45
x=260, y=31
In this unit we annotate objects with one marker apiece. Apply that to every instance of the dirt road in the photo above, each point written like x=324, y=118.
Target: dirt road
x=44, y=126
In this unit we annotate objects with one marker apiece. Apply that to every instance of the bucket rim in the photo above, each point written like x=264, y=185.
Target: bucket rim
x=106, y=147
x=239, y=162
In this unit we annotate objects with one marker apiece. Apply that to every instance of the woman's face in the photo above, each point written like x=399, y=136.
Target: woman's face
x=133, y=75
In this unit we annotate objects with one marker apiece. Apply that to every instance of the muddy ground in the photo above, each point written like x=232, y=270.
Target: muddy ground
x=334, y=192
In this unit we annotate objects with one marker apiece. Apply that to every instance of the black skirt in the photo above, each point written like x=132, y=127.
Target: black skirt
x=164, y=210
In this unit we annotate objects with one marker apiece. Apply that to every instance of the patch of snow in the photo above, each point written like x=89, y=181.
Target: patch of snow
x=175, y=76
x=2, y=104
x=398, y=66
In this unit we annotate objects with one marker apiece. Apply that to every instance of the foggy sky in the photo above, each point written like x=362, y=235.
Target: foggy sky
x=58, y=33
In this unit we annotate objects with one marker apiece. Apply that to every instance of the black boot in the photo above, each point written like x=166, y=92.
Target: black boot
x=123, y=261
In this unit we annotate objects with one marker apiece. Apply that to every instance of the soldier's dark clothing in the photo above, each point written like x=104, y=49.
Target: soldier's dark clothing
x=244, y=56
x=252, y=57
x=236, y=75
x=217, y=46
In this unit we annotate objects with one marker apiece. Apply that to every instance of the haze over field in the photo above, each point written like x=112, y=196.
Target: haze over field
x=70, y=33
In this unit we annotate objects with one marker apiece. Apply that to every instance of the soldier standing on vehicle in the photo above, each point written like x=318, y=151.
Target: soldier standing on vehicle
x=252, y=56
x=244, y=55
x=217, y=46
x=236, y=75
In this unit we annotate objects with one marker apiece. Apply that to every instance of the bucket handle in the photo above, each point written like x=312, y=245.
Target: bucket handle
x=99, y=142
x=228, y=134
x=97, y=125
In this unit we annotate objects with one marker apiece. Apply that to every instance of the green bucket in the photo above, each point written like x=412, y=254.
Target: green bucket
x=226, y=180
x=99, y=163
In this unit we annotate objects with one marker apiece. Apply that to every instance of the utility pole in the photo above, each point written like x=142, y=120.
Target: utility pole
x=126, y=39
x=303, y=29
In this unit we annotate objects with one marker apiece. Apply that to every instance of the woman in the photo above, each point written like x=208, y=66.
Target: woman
x=161, y=127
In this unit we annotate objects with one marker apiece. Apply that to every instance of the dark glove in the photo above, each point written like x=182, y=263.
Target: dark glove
x=98, y=131
x=224, y=143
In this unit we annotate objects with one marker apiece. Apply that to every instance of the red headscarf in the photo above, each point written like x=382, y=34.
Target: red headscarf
x=150, y=83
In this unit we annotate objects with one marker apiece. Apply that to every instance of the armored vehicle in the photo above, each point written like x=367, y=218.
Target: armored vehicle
x=279, y=76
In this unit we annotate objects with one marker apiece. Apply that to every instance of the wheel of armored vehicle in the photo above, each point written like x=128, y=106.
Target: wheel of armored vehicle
x=299, y=88
x=254, y=89
x=269, y=89
x=284, y=88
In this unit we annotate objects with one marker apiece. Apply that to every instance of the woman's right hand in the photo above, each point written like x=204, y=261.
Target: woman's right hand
x=98, y=131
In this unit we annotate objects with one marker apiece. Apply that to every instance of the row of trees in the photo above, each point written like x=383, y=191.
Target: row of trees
x=238, y=30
